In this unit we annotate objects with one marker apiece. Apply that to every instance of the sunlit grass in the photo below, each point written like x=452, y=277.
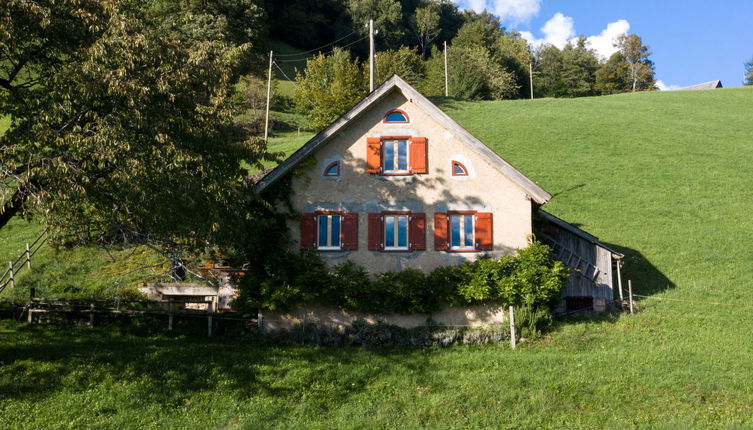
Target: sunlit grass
x=661, y=176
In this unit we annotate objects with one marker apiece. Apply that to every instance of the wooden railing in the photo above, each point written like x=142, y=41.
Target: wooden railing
x=9, y=277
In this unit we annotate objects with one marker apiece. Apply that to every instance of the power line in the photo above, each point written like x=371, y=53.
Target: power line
x=298, y=60
x=317, y=49
x=281, y=71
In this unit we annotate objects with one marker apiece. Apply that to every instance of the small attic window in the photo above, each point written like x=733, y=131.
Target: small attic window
x=332, y=169
x=396, y=116
x=458, y=169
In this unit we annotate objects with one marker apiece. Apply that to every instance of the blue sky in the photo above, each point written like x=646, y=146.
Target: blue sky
x=692, y=41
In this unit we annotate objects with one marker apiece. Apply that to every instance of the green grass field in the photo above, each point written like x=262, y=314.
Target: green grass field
x=660, y=176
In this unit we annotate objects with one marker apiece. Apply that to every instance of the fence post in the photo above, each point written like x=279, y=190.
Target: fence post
x=209, y=325
x=10, y=271
x=512, y=328
x=91, y=314
x=630, y=293
x=170, y=314
x=28, y=257
x=29, y=315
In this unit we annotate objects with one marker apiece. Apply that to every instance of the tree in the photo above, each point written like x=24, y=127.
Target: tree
x=749, y=72
x=612, y=77
x=387, y=16
x=473, y=75
x=403, y=62
x=640, y=68
x=118, y=131
x=570, y=72
x=426, y=22
x=508, y=51
x=330, y=86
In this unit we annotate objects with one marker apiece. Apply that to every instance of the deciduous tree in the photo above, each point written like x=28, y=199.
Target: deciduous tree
x=329, y=87
x=749, y=72
x=117, y=129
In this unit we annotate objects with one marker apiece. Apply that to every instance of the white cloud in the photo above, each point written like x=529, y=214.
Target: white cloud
x=603, y=43
x=558, y=31
x=515, y=11
x=664, y=87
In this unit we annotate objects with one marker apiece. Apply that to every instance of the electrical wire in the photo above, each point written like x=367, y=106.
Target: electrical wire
x=317, y=49
x=281, y=71
x=298, y=60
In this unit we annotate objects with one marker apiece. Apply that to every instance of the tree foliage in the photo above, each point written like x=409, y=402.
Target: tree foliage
x=749, y=72
x=119, y=130
x=330, y=86
x=426, y=25
x=403, y=62
x=628, y=69
x=570, y=72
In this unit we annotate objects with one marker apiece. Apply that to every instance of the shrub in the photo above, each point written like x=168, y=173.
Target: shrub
x=530, y=277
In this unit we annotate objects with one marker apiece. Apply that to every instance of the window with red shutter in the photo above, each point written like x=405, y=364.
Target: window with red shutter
x=418, y=163
x=418, y=231
x=308, y=231
x=484, y=231
x=440, y=232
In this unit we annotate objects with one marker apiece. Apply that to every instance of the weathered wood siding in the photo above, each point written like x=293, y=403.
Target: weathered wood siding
x=591, y=265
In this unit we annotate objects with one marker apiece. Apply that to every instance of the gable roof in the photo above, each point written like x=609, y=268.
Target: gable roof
x=538, y=194
x=704, y=86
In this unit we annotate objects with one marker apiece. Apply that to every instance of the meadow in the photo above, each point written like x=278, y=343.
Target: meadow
x=660, y=176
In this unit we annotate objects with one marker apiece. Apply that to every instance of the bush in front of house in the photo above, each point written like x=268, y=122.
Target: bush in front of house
x=531, y=276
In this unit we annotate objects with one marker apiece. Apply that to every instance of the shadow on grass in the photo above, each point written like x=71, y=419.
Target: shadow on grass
x=39, y=361
x=646, y=278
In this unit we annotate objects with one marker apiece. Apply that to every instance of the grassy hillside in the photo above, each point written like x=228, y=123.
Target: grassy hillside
x=661, y=176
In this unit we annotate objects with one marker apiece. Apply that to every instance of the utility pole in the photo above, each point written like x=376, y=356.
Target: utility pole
x=530, y=75
x=371, y=55
x=446, y=87
x=269, y=94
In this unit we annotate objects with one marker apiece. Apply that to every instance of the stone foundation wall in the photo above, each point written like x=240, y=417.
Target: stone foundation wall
x=471, y=316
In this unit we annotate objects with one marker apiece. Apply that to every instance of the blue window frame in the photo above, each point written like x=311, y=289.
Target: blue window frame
x=329, y=232
x=396, y=232
x=461, y=232
x=395, y=156
x=396, y=116
x=333, y=169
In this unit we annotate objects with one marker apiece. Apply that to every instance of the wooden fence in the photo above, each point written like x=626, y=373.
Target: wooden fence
x=9, y=277
x=91, y=308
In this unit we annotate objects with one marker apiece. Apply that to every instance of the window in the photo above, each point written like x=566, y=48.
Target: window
x=461, y=232
x=329, y=231
x=464, y=231
x=396, y=116
x=458, y=169
x=396, y=232
x=332, y=169
x=395, y=156
x=328, y=235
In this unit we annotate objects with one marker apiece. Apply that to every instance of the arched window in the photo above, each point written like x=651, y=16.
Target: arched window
x=332, y=169
x=396, y=116
x=458, y=169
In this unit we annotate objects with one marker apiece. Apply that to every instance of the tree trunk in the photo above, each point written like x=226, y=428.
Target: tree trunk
x=11, y=208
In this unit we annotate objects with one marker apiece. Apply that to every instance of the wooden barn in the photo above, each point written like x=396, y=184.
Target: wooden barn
x=594, y=266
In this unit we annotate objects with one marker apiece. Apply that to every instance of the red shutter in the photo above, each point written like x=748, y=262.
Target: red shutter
x=440, y=232
x=308, y=231
x=350, y=232
x=418, y=155
x=373, y=154
x=417, y=232
x=375, y=232
x=484, y=236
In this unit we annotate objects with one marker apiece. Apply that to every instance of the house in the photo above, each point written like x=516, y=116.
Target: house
x=704, y=86
x=396, y=183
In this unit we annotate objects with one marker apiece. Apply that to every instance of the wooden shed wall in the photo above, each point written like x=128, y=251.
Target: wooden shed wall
x=591, y=265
